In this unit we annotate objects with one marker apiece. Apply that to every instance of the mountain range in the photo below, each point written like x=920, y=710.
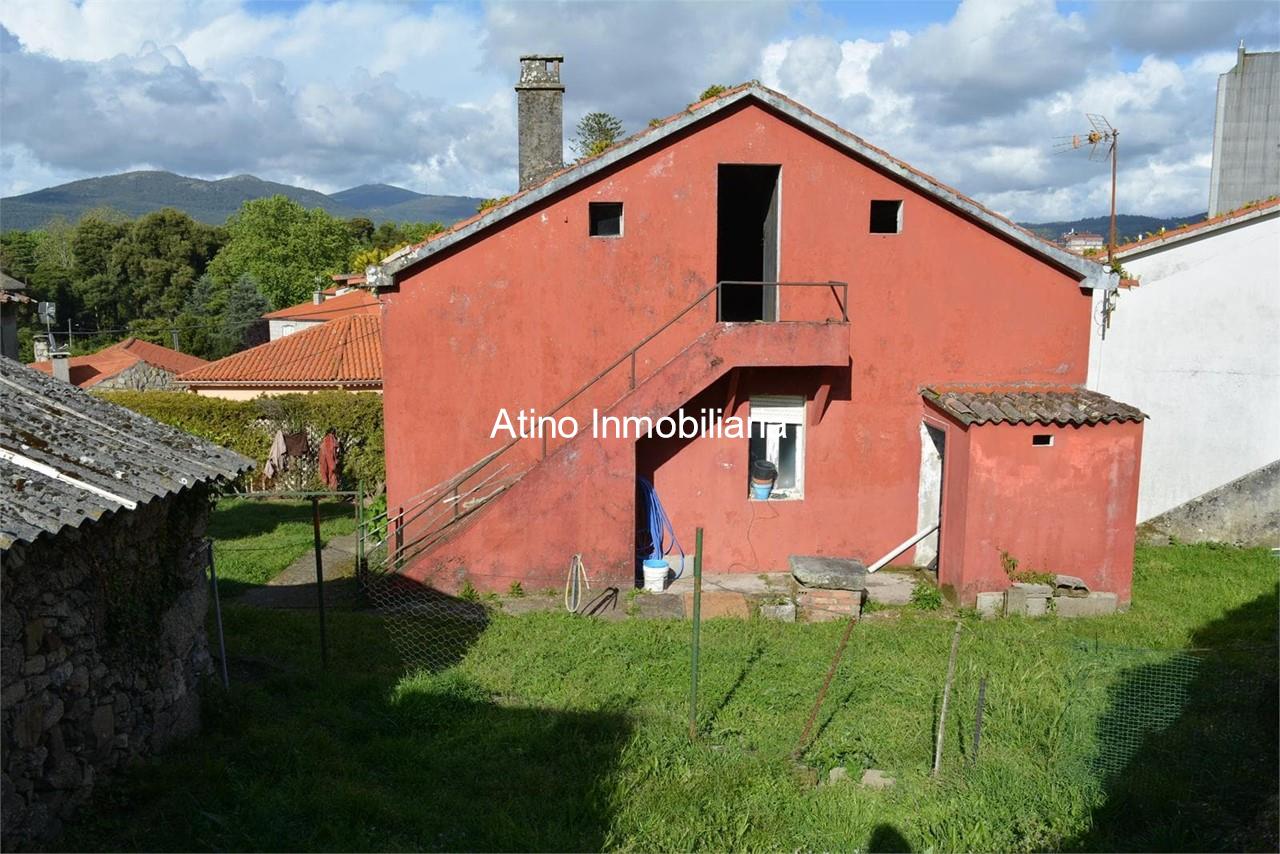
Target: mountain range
x=1128, y=226
x=138, y=193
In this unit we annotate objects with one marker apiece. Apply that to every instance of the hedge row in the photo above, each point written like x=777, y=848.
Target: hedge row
x=247, y=426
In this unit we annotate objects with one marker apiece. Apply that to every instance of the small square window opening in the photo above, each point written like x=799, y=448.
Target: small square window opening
x=1042, y=440
x=886, y=216
x=777, y=435
x=605, y=218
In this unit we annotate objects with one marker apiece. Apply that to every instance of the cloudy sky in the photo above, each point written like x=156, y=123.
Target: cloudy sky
x=333, y=94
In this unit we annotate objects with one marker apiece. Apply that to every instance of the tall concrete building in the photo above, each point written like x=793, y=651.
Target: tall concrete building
x=1246, y=133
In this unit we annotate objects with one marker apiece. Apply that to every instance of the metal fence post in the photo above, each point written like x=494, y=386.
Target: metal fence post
x=217, y=613
x=315, y=529
x=697, y=625
x=360, y=532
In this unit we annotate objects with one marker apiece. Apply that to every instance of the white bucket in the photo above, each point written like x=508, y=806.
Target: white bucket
x=655, y=577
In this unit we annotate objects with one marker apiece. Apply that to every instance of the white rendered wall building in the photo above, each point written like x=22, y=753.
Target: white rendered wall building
x=1196, y=346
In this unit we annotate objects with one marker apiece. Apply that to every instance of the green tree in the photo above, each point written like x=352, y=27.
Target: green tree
x=595, y=133
x=99, y=291
x=18, y=254
x=159, y=260
x=284, y=247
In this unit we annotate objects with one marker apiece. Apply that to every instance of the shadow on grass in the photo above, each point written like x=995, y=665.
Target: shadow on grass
x=1188, y=744
x=237, y=518
x=357, y=757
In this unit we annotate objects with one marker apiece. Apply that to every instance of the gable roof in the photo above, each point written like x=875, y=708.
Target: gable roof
x=1090, y=273
x=343, y=353
x=1239, y=216
x=1029, y=405
x=88, y=371
x=67, y=457
x=358, y=301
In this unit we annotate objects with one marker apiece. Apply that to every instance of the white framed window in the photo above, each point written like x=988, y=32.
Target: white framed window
x=777, y=425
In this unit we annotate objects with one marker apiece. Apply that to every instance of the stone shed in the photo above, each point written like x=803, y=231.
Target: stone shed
x=102, y=522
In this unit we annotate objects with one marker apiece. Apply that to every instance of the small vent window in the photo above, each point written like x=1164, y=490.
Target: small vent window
x=886, y=216
x=606, y=219
x=1042, y=440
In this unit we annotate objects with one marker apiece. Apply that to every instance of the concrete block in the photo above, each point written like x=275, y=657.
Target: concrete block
x=1069, y=585
x=1027, y=600
x=990, y=604
x=838, y=774
x=890, y=588
x=874, y=778
x=1096, y=604
x=719, y=603
x=783, y=613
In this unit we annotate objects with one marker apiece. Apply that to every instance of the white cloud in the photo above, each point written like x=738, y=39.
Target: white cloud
x=331, y=94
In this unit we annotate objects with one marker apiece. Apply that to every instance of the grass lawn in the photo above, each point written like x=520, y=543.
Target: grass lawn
x=565, y=733
x=254, y=539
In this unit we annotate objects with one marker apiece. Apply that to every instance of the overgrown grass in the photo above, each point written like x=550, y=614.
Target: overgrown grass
x=254, y=539
x=558, y=732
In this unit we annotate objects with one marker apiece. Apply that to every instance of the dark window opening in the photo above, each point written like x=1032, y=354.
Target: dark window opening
x=1042, y=439
x=886, y=217
x=747, y=241
x=606, y=219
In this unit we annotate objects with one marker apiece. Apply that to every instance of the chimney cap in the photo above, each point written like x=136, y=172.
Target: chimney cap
x=540, y=71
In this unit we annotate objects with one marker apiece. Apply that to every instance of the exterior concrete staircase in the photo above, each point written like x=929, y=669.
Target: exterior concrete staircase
x=519, y=515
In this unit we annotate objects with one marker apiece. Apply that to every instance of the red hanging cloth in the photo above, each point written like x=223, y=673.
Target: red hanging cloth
x=329, y=460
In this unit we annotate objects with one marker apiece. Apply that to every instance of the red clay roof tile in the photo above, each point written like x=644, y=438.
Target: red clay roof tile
x=88, y=371
x=345, y=305
x=342, y=352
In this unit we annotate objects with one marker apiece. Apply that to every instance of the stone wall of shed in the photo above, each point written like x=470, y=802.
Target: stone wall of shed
x=104, y=647
x=140, y=377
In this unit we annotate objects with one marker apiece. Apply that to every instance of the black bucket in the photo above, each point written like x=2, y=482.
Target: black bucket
x=763, y=471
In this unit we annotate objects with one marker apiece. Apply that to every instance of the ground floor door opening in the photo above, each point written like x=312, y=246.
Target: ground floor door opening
x=747, y=241
x=932, y=454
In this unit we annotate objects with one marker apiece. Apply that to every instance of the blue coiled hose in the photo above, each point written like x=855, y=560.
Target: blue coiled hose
x=659, y=527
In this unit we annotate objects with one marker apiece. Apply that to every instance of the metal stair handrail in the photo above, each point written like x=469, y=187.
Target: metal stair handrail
x=448, y=490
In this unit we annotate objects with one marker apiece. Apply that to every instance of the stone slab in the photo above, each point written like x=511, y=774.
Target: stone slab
x=828, y=572
x=651, y=607
x=890, y=588
x=1096, y=604
x=1069, y=585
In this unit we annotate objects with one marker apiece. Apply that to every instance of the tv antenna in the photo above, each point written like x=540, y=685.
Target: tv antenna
x=1102, y=141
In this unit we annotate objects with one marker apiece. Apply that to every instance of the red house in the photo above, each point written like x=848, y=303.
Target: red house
x=901, y=354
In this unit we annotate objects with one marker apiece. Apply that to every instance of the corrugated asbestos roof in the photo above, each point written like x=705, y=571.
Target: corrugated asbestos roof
x=1058, y=405
x=67, y=457
x=344, y=352
x=88, y=371
x=1090, y=273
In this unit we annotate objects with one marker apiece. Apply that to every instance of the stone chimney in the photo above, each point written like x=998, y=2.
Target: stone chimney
x=61, y=365
x=540, y=114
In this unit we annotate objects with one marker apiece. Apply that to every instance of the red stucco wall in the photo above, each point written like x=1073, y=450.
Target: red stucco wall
x=1067, y=508
x=524, y=316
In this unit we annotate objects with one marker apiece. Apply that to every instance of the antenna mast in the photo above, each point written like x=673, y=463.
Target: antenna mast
x=1103, y=141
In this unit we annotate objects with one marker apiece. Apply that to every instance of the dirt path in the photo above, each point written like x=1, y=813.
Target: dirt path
x=295, y=586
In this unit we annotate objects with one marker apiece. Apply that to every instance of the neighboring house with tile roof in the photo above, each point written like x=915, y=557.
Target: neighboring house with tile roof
x=751, y=258
x=342, y=354
x=103, y=515
x=1196, y=345
x=332, y=304
x=131, y=364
